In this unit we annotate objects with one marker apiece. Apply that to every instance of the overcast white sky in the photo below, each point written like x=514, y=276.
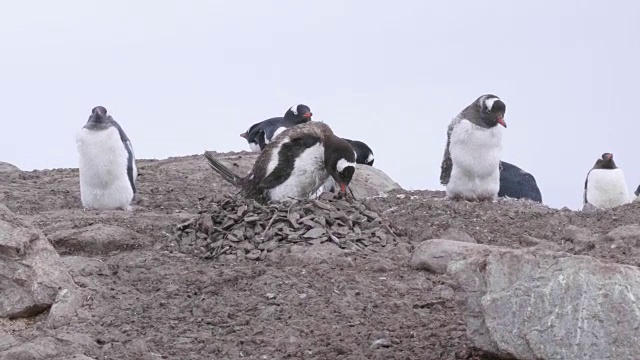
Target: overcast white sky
x=183, y=77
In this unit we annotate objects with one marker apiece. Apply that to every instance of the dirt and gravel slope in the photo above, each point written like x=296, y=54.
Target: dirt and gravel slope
x=148, y=299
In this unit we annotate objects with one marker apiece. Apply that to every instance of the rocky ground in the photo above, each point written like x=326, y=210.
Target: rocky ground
x=196, y=273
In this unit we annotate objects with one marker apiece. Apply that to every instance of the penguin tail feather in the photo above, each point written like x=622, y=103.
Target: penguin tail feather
x=223, y=171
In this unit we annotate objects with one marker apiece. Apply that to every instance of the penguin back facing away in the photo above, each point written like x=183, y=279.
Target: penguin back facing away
x=517, y=183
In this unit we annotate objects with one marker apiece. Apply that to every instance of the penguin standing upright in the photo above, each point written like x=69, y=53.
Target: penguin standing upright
x=470, y=167
x=605, y=186
x=107, y=165
x=295, y=164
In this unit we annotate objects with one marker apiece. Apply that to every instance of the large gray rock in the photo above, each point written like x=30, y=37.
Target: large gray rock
x=534, y=304
x=6, y=167
x=39, y=349
x=435, y=255
x=367, y=180
x=96, y=239
x=31, y=273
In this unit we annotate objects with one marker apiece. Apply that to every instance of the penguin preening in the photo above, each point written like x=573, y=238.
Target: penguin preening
x=260, y=134
x=605, y=186
x=470, y=167
x=295, y=164
x=107, y=165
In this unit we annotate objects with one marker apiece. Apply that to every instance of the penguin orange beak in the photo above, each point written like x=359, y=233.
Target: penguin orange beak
x=501, y=122
x=307, y=115
x=343, y=188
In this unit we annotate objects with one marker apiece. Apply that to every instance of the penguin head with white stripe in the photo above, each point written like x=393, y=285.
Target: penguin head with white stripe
x=340, y=161
x=491, y=110
x=298, y=114
x=605, y=162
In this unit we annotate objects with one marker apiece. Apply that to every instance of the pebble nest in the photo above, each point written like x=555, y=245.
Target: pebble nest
x=250, y=230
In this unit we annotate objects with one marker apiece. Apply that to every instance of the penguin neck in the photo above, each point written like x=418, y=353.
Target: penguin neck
x=292, y=120
x=605, y=164
x=98, y=124
x=472, y=114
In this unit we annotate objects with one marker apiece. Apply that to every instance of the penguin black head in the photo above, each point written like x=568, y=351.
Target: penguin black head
x=492, y=110
x=98, y=114
x=605, y=162
x=246, y=133
x=364, y=154
x=298, y=114
x=340, y=162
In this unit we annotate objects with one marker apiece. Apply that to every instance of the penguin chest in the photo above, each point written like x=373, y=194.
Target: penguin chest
x=307, y=175
x=607, y=188
x=475, y=150
x=104, y=183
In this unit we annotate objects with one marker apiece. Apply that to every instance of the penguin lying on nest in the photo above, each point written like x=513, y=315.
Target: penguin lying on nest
x=295, y=164
x=262, y=133
x=605, y=186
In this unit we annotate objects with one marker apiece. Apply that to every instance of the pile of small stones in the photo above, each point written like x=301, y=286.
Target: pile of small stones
x=234, y=225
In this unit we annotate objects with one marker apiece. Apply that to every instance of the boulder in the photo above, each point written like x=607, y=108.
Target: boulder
x=458, y=235
x=536, y=304
x=6, y=167
x=39, y=349
x=435, y=255
x=629, y=234
x=97, y=239
x=31, y=273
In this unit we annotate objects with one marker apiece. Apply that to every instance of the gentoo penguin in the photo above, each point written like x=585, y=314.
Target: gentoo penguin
x=295, y=164
x=364, y=154
x=517, y=184
x=260, y=134
x=254, y=142
x=605, y=186
x=107, y=168
x=470, y=167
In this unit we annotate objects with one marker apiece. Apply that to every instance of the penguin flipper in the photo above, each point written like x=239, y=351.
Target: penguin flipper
x=223, y=171
x=447, y=162
x=262, y=142
x=584, y=196
x=287, y=155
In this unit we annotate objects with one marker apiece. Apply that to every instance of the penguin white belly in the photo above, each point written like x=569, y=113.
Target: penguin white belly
x=104, y=184
x=254, y=147
x=278, y=132
x=307, y=176
x=607, y=188
x=475, y=153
